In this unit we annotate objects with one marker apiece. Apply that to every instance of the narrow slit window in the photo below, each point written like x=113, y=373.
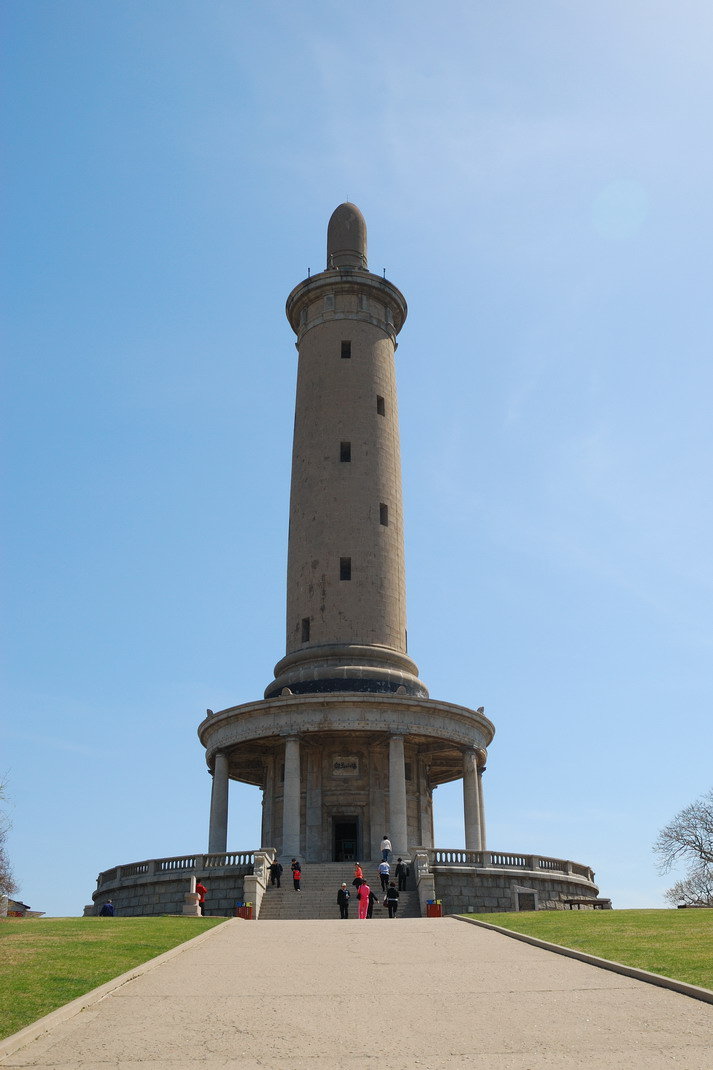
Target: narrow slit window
x=380, y=405
x=345, y=568
x=384, y=514
x=346, y=350
x=305, y=629
x=345, y=451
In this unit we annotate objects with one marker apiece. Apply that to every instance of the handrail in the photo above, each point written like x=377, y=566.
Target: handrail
x=237, y=861
x=439, y=856
x=244, y=861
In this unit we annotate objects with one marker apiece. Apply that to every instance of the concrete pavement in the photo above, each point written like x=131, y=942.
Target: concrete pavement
x=422, y=993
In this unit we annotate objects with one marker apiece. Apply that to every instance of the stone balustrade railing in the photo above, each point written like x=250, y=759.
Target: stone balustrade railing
x=502, y=860
x=240, y=862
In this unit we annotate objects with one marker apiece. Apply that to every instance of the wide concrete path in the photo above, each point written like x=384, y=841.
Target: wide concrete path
x=425, y=993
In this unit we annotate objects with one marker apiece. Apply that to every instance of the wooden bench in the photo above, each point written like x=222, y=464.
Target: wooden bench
x=582, y=901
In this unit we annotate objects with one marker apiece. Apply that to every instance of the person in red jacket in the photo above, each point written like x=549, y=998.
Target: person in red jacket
x=363, y=892
x=202, y=892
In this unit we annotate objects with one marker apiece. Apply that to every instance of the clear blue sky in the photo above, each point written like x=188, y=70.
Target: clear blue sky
x=537, y=179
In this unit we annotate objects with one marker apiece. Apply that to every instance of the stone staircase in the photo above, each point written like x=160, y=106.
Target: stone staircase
x=318, y=898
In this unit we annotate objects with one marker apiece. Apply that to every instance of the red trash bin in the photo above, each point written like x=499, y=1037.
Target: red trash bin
x=244, y=912
x=434, y=910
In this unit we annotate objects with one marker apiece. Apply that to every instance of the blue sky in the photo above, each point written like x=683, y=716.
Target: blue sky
x=536, y=178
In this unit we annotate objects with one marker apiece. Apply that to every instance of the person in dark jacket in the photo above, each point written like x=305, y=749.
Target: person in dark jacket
x=343, y=900
x=392, y=899
x=401, y=873
x=107, y=910
x=275, y=872
x=372, y=900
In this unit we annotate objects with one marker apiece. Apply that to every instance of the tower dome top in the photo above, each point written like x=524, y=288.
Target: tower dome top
x=346, y=238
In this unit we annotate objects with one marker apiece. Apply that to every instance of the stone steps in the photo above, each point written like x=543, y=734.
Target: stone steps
x=317, y=899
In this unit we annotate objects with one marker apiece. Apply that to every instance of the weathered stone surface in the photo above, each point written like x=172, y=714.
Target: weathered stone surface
x=151, y=898
x=483, y=893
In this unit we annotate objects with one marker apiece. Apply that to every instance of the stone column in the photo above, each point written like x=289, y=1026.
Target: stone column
x=218, y=831
x=377, y=803
x=481, y=806
x=255, y=883
x=425, y=806
x=191, y=907
x=315, y=850
x=397, y=831
x=291, y=799
x=268, y=794
x=471, y=801
x=425, y=881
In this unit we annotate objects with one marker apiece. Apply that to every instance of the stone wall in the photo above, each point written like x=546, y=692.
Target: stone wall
x=464, y=891
x=145, y=896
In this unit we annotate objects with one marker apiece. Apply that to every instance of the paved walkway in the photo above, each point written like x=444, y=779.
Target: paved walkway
x=332, y=995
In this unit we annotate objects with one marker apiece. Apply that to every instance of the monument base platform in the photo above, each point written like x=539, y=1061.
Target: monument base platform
x=464, y=882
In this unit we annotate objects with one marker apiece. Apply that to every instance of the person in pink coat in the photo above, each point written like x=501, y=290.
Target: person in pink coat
x=363, y=897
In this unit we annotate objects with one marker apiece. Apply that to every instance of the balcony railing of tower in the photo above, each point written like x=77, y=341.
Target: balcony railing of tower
x=500, y=860
x=240, y=862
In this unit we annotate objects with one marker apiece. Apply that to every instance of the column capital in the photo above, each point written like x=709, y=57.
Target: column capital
x=221, y=758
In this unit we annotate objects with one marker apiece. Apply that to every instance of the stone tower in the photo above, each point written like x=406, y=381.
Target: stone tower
x=346, y=744
x=346, y=589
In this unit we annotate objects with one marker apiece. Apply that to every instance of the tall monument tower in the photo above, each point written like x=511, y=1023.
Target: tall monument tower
x=346, y=589
x=347, y=744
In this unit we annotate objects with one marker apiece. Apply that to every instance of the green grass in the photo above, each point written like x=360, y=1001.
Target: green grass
x=46, y=962
x=675, y=943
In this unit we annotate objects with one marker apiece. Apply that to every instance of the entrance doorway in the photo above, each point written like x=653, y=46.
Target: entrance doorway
x=345, y=839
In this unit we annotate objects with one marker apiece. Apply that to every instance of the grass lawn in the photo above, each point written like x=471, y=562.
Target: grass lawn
x=46, y=962
x=675, y=943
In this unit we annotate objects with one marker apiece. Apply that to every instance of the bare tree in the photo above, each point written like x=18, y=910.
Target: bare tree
x=695, y=891
x=7, y=882
x=689, y=839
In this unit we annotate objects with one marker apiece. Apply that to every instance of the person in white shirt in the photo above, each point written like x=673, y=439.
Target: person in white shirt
x=384, y=872
x=385, y=848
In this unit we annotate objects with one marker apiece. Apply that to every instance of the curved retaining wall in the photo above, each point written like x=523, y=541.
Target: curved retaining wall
x=159, y=885
x=465, y=882
x=469, y=891
x=141, y=897
x=495, y=882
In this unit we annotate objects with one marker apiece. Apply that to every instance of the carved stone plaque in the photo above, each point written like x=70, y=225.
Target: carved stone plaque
x=345, y=766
